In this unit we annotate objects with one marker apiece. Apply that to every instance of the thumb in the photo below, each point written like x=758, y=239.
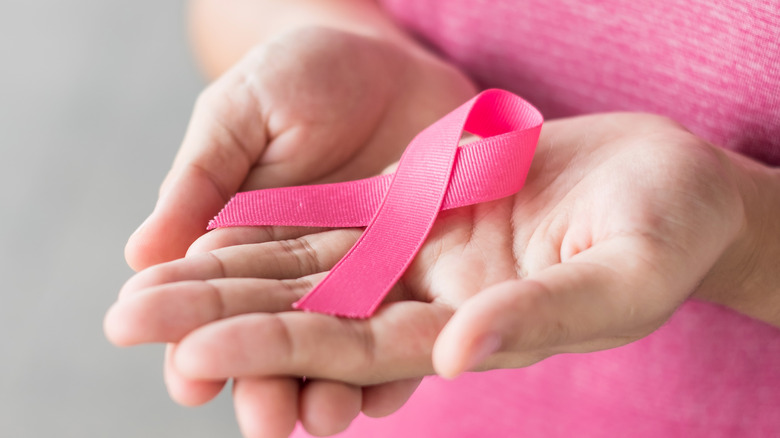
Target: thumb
x=225, y=137
x=603, y=297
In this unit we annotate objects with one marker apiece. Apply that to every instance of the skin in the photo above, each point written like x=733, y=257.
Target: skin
x=623, y=218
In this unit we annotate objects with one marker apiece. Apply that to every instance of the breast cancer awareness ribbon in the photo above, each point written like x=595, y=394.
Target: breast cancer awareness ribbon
x=399, y=209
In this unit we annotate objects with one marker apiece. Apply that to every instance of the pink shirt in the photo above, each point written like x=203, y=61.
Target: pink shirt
x=713, y=66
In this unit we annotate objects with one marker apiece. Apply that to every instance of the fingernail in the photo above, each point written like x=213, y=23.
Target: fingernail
x=487, y=346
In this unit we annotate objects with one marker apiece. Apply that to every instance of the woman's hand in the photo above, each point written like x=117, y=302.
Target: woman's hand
x=623, y=217
x=314, y=105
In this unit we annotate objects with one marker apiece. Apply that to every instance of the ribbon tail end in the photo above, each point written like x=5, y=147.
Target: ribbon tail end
x=353, y=312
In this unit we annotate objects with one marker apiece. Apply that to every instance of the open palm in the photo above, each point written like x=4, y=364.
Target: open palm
x=315, y=105
x=622, y=218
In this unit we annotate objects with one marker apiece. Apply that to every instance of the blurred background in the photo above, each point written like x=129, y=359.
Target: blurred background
x=94, y=99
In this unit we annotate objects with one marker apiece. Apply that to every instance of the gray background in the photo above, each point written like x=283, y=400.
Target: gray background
x=94, y=99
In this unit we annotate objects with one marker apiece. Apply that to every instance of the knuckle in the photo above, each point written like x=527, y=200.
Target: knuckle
x=364, y=367
x=290, y=349
x=301, y=251
x=297, y=286
x=217, y=300
x=548, y=328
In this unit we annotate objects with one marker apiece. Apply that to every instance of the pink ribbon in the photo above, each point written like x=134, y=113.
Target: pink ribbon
x=399, y=209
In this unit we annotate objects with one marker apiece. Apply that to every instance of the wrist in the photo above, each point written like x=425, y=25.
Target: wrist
x=746, y=277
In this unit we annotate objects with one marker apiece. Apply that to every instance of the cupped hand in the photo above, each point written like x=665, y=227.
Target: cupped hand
x=314, y=105
x=623, y=217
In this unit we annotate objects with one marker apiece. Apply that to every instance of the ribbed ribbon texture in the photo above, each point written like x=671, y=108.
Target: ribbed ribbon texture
x=399, y=209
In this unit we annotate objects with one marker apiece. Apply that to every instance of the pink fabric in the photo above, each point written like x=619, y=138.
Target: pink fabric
x=714, y=66
x=484, y=170
x=666, y=385
x=494, y=167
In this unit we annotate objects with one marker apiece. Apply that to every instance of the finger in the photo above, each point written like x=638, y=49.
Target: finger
x=327, y=407
x=203, y=267
x=167, y=313
x=386, y=398
x=163, y=303
x=224, y=140
x=232, y=236
x=186, y=391
x=590, y=302
x=394, y=344
x=266, y=407
x=292, y=258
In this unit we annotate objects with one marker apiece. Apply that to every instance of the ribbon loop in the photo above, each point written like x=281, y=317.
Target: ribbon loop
x=399, y=209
